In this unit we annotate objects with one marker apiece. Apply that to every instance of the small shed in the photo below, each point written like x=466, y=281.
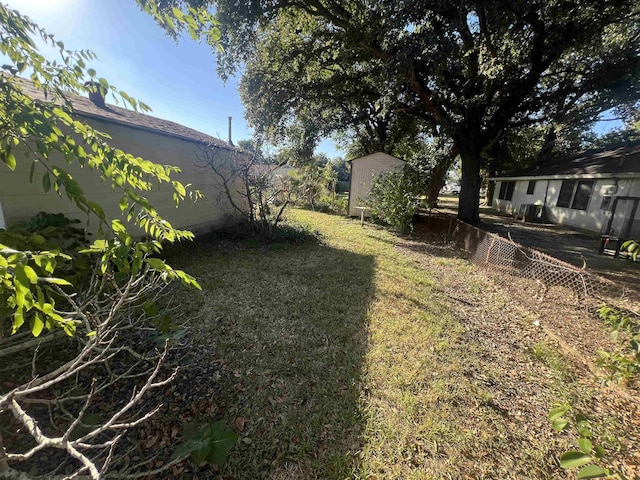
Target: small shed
x=364, y=170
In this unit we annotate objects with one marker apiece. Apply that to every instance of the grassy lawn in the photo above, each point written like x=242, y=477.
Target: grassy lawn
x=372, y=357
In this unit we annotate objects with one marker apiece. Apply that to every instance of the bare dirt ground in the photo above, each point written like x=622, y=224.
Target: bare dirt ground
x=533, y=355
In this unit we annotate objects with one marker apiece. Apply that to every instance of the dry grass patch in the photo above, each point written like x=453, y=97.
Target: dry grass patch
x=369, y=356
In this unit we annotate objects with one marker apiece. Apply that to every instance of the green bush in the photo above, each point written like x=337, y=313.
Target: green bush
x=394, y=197
x=52, y=232
x=45, y=231
x=341, y=204
x=623, y=364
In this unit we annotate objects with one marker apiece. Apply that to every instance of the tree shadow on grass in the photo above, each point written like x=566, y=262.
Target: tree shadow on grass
x=289, y=328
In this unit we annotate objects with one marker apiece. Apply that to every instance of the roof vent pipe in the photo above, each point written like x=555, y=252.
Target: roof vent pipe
x=97, y=93
x=623, y=157
x=230, y=142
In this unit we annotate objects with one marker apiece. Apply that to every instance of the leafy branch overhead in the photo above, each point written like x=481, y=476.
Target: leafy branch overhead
x=53, y=281
x=42, y=131
x=464, y=70
x=199, y=23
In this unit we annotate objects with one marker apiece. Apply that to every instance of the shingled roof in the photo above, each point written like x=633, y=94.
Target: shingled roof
x=622, y=160
x=82, y=106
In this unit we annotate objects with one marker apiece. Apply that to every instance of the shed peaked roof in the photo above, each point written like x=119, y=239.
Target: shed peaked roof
x=620, y=160
x=375, y=154
x=111, y=113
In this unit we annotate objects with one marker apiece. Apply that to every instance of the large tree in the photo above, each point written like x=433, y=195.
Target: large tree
x=468, y=70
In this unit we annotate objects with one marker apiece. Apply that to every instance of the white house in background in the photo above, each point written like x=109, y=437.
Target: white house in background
x=151, y=138
x=364, y=170
x=595, y=190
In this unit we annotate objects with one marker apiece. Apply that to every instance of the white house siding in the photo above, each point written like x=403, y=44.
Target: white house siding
x=592, y=219
x=20, y=199
x=519, y=197
x=364, y=170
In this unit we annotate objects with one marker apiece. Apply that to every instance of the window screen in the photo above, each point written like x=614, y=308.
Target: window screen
x=503, y=190
x=510, y=187
x=566, y=193
x=583, y=193
x=506, y=190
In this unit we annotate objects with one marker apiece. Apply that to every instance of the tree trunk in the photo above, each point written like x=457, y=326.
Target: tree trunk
x=491, y=188
x=468, y=208
x=438, y=175
x=437, y=182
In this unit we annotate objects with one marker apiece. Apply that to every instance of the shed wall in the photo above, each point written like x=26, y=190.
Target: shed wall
x=364, y=171
x=21, y=199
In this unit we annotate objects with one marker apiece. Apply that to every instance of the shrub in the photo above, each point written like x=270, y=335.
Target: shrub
x=394, y=196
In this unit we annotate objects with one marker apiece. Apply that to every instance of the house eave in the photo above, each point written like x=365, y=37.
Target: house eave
x=568, y=176
x=157, y=131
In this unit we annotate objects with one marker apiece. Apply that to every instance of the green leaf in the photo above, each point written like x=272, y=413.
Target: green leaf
x=37, y=324
x=18, y=320
x=598, y=451
x=180, y=188
x=581, y=420
x=592, y=471
x=150, y=308
x=10, y=160
x=585, y=445
x=210, y=443
x=584, y=432
x=21, y=286
x=221, y=440
x=559, y=424
x=46, y=182
x=55, y=281
x=118, y=227
x=156, y=264
x=558, y=412
x=63, y=115
x=97, y=209
x=177, y=13
x=572, y=459
x=31, y=274
x=38, y=239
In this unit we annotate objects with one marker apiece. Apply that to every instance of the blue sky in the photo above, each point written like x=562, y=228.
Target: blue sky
x=178, y=81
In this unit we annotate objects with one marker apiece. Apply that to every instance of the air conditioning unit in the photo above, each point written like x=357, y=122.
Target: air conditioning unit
x=530, y=212
x=608, y=190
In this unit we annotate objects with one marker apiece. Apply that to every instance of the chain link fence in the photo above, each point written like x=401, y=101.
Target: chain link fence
x=488, y=250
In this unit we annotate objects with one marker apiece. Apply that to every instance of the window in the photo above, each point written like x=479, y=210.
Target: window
x=566, y=192
x=506, y=190
x=574, y=194
x=503, y=190
x=531, y=187
x=582, y=196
